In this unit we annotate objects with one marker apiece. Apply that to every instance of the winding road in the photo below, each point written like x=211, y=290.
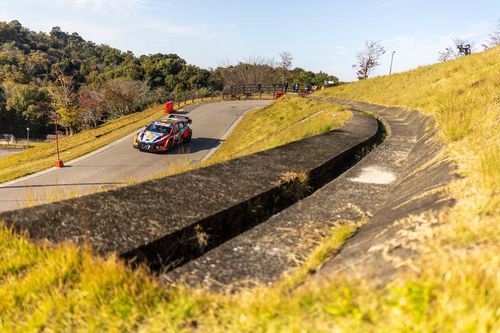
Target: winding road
x=119, y=163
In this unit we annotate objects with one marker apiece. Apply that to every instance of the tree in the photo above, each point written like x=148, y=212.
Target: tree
x=69, y=118
x=65, y=102
x=455, y=51
x=30, y=102
x=284, y=65
x=493, y=39
x=93, y=107
x=368, y=59
x=63, y=91
x=321, y=77
x=124, y=95
x=447, y=54
x=3, y=99
x=299, y=75
x=4, y=117
x=250, y=71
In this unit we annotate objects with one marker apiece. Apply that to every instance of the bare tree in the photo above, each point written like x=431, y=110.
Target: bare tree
x=368, y=59
x=124, y=95
x=447, y=54
x=493, y=39
x=285, y=65
x=93, y=107
x=250, y=71
x=458, y=49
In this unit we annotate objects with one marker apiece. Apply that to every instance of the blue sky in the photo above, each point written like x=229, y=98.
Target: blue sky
x=321, y=35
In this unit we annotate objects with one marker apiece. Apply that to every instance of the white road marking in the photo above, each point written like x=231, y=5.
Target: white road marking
x=374, y=175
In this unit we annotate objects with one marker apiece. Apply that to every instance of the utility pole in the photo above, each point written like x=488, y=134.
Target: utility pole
x=28, y=136
x=59, y=163
x=392, y=59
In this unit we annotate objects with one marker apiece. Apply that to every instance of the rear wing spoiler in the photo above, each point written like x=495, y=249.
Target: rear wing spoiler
x=174, y=116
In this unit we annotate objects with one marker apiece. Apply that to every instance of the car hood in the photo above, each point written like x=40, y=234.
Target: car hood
x=149, y=137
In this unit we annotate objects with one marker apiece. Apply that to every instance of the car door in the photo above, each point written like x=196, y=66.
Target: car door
x=177, y=134
x=182, y=129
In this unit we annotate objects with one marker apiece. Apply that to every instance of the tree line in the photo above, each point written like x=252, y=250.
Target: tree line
x=88, y=84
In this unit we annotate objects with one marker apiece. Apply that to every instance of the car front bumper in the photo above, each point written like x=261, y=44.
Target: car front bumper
x=151, y=147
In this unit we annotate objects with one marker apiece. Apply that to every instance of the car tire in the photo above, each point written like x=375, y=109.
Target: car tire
x=170, y=145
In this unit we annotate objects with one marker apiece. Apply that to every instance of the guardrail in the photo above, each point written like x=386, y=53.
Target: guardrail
x=249, y=90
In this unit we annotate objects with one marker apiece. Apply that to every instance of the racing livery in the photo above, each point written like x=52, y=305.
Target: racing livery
x=163, y=135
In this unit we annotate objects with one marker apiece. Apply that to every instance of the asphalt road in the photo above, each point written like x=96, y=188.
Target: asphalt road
x=119, y=163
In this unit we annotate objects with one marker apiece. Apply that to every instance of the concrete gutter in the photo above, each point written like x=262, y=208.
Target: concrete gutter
x=394, y=189
x=169, y=221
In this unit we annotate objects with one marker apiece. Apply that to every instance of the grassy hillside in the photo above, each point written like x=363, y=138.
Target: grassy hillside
x=454, y=288
x=289, y=119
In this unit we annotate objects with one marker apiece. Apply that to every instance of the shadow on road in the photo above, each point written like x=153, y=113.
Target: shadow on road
x=196, y=145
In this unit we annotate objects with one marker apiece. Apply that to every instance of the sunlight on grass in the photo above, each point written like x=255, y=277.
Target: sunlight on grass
x=456, y=287
x=288, y=119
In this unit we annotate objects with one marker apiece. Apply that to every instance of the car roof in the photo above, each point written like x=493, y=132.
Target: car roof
x=172, y=120
x=161, y=123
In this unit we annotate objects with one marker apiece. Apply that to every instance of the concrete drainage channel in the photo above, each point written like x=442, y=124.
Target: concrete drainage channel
x=177, y=248
x=394, y=189
x=168, y=222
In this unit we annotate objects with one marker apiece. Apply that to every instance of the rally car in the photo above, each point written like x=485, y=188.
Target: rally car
x=163, y=135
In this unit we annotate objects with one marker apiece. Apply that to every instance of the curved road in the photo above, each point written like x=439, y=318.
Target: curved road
x=119, y=163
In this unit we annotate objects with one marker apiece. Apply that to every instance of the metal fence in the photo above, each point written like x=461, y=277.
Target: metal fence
x=259, y=90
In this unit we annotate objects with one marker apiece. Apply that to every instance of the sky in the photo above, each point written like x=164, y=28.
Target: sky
x=320, y=34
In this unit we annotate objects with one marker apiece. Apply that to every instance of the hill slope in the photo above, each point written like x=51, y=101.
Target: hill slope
x=455, y=287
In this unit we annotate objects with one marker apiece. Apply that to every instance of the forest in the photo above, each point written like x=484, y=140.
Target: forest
x=87, y=84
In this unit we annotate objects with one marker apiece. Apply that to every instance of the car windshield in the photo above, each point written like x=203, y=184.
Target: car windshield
x=158, y=128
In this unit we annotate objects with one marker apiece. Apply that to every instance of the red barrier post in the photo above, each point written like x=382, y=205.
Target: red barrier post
x=169, y=107
x=278, y=94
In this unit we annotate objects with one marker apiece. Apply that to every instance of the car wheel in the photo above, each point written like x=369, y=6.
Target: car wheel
x=170, y=145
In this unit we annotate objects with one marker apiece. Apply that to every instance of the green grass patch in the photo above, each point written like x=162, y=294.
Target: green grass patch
x=289, y=119
x=64, y=288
